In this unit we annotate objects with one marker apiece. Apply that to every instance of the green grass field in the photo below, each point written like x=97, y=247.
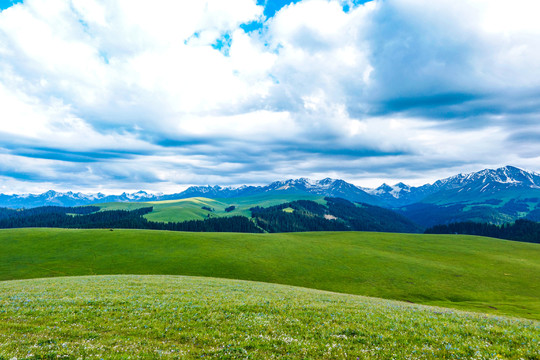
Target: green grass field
x=463, y=272
x=175, y=317
x=191, y=208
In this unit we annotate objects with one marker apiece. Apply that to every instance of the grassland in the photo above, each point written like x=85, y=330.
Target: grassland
x=463, y=272
x=191, y=208
x=172, y=317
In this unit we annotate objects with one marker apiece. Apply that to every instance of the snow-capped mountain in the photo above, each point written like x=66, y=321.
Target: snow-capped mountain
x=492, y=195
x=504, y=183
x=214, y=192
x=401, y=194
x=491, y=181
x=53, y=198
x=507, y=181
x=50, y=197
x=325, y=187
x=462, y=187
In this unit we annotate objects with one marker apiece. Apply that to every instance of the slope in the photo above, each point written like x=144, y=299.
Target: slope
x=172, y=317
x=336, y=215
x=465, y=272
x=192, y=208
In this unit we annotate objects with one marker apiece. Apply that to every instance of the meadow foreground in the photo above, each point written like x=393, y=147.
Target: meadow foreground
x=171, y=317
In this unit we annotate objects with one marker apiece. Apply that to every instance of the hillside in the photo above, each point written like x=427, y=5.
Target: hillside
x=464, y=272
x=171, y=317
x=334, y=215
x=192, y=208
x=208, y=215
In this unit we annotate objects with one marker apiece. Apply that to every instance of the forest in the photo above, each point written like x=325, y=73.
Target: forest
x=521, y=230
x=301, y=215
x=88, y=217
x=338, y=215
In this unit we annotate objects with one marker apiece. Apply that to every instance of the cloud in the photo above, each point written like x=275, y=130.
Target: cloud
x=127, y=94
x=451, y=51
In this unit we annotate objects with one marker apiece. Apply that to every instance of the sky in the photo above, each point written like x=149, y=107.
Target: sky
x=126, y=95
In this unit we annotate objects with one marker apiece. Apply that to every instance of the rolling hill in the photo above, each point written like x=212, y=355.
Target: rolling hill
x=463, y=272
x=279, y=214
x=192, y=208
x=172, y=317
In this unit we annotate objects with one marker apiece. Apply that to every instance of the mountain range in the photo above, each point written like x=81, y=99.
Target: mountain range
x=492, y=195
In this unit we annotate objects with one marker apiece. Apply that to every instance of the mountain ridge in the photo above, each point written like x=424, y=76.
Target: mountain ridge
x=458, y=188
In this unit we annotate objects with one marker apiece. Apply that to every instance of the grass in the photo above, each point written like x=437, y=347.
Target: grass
x=172, y=317
x=463, y=272
x=191, y=208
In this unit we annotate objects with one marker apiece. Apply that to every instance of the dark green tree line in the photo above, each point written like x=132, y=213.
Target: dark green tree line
x=521, y=230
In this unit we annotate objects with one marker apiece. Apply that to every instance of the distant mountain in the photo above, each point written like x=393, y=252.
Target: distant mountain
x=325, y=187
x=401, y=194
x=500, y=183
x=213, y=192
x=51, y=198
x=495, y=196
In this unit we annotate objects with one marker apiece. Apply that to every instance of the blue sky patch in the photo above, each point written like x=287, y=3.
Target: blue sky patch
x=354, y=3
x=273, y=6
x=223, y=44
x=252, y=26
x=4, y=4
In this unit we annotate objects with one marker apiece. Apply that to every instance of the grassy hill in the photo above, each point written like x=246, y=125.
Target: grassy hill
x=173, y=317
x=192, y=208
x=465, y=272
x=271, y=213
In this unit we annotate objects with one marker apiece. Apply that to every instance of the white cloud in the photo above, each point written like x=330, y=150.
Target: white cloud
x=99, y=55
x=384, y=87
x=257, y=126
x=456, y=46
x=321, y=49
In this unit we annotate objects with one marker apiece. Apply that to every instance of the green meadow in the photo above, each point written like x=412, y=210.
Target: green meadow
x=177, y=317
x=462, y=272
x=192, y=208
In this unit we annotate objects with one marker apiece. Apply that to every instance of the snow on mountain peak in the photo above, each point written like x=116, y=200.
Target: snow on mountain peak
x=507, y=176
x=401, y=185
x=487, y=181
